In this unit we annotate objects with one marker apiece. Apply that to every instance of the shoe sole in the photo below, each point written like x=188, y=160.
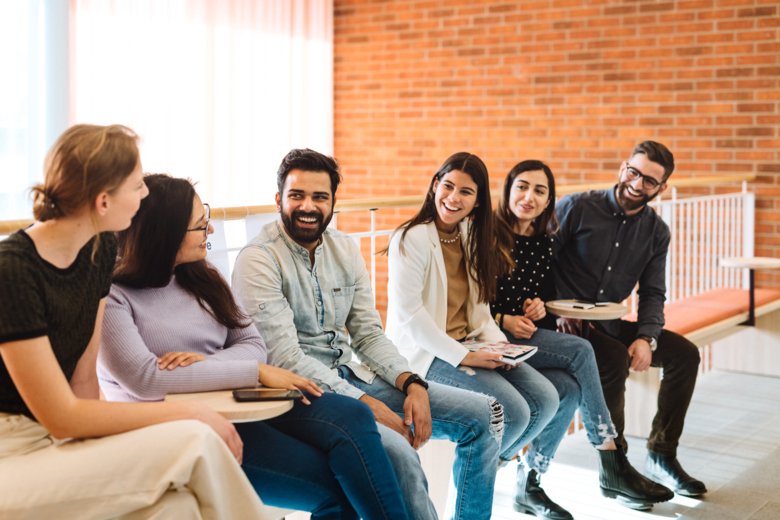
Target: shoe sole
x=521, y=508
x=625, y=499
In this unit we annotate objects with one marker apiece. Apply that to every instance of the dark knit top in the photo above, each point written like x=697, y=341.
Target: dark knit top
x=532, y=277
x=38, y=299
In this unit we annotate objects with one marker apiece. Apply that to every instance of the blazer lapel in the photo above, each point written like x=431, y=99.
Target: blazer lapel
x=438, y=256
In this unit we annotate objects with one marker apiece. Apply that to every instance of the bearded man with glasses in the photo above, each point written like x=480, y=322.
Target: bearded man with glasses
x=608, y=241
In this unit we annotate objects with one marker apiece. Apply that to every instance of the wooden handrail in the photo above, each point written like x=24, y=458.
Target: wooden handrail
x=410, y=201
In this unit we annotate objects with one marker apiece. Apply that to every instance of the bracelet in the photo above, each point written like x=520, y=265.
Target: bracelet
x=498, y=318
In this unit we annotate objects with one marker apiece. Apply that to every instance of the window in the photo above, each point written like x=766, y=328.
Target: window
x=218, y=91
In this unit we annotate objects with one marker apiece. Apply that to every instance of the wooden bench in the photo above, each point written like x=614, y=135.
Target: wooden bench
x=712, y=321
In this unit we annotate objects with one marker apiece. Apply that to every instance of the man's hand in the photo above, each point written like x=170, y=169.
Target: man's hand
x=571, y=326
x=533, y=309
x=389, y=418
x=519, y=326
x=417, y=412
x=641, y=355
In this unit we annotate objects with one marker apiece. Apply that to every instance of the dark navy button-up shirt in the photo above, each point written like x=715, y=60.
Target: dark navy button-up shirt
x=601, y=254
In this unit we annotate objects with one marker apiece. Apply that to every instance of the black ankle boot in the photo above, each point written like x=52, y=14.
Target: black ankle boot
x=667, y=470
x=620, y=480
x=531, y=499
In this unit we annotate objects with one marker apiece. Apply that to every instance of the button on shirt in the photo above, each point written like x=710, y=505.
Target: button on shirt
x=313, y=316
x=601, y=254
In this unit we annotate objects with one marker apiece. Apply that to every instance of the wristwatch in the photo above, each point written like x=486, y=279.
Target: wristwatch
x=414, y=379
x=652, y=341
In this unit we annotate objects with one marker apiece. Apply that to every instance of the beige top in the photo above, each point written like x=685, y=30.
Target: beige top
x=223, y=403
x=457, y=284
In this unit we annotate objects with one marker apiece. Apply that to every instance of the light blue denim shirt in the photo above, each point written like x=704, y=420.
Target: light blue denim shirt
x=313, y=317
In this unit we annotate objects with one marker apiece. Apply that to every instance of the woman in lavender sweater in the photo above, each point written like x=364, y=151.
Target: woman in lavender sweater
x=172, y=325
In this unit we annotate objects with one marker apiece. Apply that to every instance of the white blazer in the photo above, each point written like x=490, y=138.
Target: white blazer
x=417, y=301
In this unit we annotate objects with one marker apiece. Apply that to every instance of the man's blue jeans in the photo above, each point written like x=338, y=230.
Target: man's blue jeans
x=326, y=458
x=472, y=421
x=529, y=400
x=570, y=364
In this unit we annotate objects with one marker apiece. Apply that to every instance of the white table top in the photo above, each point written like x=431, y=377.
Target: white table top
x=751, y=262
x=562, y=308
x=223, y=403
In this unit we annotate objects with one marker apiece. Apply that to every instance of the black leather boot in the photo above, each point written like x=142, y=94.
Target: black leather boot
x=531, y=499
x=618, y=479
x=667, y=470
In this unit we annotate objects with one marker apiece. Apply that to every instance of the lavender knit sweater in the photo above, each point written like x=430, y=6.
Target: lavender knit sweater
x=142, y=324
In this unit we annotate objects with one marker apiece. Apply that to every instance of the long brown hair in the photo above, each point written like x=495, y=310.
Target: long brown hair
x=481, y=264
x=147, y=251
x=545, y=224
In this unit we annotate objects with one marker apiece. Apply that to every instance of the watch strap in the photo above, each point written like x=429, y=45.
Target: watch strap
x=413, y=379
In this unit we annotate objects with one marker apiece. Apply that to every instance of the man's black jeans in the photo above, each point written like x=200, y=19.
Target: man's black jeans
x=679, y=359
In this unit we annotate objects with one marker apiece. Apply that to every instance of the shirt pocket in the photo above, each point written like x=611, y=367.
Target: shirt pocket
x=341, y=298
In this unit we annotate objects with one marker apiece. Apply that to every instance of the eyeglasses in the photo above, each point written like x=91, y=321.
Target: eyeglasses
x=648, y=183
x=205, y=226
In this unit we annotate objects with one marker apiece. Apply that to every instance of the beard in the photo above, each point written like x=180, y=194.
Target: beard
x=304, y=235
x=629, y=204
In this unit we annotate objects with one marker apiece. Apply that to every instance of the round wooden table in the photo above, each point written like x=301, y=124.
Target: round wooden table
x=569, y=309
x=223, y=403
x=752, y=263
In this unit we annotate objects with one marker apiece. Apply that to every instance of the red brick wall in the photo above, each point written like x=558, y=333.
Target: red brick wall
x=575, y=83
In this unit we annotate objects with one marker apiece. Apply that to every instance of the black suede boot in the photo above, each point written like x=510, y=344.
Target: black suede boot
x=667, y=470
x=531, y=499
x=618, y=479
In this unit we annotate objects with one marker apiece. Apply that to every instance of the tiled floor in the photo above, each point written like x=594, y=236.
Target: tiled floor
x=731, y=442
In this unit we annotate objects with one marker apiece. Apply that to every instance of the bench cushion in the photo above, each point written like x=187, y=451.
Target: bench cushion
x=696, y=312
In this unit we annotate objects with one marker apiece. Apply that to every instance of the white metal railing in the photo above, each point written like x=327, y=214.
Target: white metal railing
x=704, y=229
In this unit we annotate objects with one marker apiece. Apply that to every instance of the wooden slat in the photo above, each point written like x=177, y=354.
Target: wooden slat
x=351, y=205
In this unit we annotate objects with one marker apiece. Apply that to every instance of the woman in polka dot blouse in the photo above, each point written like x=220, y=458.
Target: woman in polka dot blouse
x=525, y=222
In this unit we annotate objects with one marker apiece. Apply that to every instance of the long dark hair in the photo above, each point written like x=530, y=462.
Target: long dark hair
x=482, y=265
x=148, y=248
x=545, y=224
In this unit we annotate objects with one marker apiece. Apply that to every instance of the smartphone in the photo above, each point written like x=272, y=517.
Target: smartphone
x=265, y=394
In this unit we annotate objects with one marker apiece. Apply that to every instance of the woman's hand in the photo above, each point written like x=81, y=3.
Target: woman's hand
x=224, y=429
x=519, y=326
x=275, y=377
x=482, y=359
x=171, y=360
x=533, y=309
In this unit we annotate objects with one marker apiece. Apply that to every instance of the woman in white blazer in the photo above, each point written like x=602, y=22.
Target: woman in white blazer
x=442, y=273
